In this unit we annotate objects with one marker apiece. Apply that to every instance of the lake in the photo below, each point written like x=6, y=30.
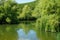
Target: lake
x=24, y=31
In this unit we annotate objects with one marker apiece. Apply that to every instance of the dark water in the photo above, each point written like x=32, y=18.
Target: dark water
x=25, y=32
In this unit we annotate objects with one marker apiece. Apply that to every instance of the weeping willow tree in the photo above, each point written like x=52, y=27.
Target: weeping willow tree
x=47, y=12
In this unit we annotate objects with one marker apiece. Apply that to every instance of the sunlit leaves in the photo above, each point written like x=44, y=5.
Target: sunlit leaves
x=1, y=15
x=8, y=20
x=6, y=5
x=13, y=8
x=48, y=11
x=25, y=11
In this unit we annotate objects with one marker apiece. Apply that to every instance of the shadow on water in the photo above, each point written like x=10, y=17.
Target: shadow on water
x=25, y=32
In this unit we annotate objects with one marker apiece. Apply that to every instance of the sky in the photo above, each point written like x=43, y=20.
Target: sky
x=24, y=1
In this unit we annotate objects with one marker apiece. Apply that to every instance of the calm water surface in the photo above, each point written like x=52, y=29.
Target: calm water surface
x=25, y=32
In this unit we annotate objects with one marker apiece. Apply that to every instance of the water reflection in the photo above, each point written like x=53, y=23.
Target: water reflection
x=8, y=32
x=46, y=36
x=31, y=35
x=58, y=36
x=25, y=32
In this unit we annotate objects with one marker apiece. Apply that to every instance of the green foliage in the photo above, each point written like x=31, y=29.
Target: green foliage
x=10, y=10
x=25, y=11
x=48, y=11
x=8, y=20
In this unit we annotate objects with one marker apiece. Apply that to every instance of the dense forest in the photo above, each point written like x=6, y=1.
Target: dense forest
x=11, y=12
x=45, y=13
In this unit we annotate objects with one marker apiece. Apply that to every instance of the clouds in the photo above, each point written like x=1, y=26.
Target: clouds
x=31, y=35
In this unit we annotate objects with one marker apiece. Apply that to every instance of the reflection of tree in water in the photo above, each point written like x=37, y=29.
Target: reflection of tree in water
x=8, y=33
x=58, y=36
x=25, y=27
x=46, y=36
